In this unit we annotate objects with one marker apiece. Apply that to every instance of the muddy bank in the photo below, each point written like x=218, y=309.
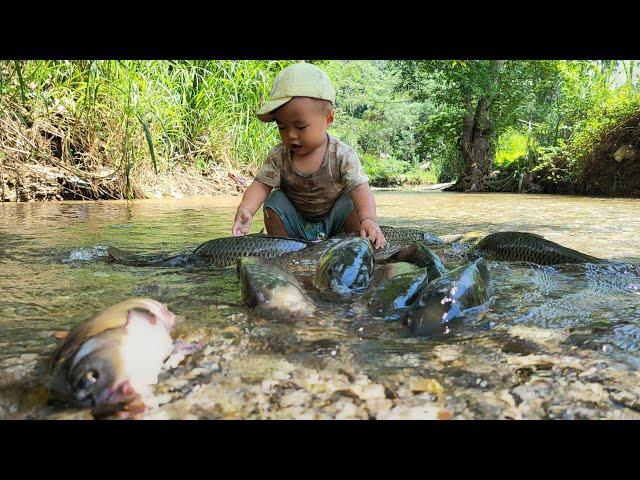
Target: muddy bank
x=52, y=155
x=611, y=168
x=40, y=181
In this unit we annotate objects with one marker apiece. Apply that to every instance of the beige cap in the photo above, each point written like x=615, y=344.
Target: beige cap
x=297, y=80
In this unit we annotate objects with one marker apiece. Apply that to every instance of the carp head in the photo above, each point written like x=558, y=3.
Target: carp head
x=346, y=268
x=114, y=366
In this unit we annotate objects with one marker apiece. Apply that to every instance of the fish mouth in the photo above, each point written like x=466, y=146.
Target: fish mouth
x=122, y=401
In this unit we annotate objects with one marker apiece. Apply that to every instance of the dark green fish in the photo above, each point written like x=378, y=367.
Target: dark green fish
x=272, y=289
x=421, y=256
x=529, y=247
x=346, y=268
x=220, y=252
x=383, y=273
x=408, y=234
x=391, y=299
x=446, y=297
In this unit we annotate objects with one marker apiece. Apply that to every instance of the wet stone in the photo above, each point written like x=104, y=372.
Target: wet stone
x=426, y=412
x=429, y=385
x=519, y=347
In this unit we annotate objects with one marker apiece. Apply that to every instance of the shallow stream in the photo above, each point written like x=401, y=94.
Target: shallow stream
x=553, y=342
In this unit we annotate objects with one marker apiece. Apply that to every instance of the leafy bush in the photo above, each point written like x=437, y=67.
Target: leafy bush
x=382, y=171
x=512, y=144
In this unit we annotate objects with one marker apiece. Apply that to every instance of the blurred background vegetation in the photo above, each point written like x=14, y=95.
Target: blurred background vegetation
x=505, y=125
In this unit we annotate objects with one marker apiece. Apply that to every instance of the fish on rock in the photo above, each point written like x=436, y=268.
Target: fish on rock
x=444, y=299
x=271, y=289
x=346, y=268
x=109, y=362
x=219, y=252
x=528, y=247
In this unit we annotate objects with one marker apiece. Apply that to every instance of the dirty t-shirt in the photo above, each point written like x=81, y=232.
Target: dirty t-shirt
x=313, y=194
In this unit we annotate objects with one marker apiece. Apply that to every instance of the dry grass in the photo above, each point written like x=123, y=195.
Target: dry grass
x=104, y=129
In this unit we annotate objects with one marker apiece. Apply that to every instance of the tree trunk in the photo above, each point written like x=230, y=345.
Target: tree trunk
x=477, y=141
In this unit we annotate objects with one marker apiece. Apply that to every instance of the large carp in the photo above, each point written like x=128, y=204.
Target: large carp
x=409, y=234
x=447, y=297
x=110, y=361
x=271, y=289
x=528, y=247
x=220, y=252
x=346, y=268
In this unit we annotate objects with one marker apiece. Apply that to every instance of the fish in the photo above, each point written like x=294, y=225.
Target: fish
x=392, y=298
x=469, y=237
x=346, y=268
x=390, y=270
x=219, y=252
x=528, y=247
x=109, y=362
x=444, y=299
x=271, y=289
x=409, y=234
x=421, y=256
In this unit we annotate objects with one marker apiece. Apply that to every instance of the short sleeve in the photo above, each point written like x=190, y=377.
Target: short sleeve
x=269, y=173
x=351, y=170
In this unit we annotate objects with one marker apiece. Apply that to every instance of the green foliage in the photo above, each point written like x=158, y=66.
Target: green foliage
x=512, y=144
x=382, y=171
x=452, y=89
x=172, y=111
x=419, y=176
x=536, y=107
x=369, y=116
x=404, y=118
x=382, y=125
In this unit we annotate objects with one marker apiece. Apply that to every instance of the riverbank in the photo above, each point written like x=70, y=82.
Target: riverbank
x=34, y=166
x=42, y=182
x=415, y=188
x=50, y=179
x=611, y=167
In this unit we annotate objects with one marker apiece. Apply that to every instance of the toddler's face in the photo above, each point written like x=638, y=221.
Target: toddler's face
x=303, y=123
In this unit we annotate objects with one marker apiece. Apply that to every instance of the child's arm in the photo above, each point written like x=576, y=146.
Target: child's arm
x=365, y=206
x=251, y=201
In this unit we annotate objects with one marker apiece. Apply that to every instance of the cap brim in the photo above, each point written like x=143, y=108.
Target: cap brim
x=265, y=113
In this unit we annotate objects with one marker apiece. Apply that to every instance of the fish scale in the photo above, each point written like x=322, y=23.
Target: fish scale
x=219, y=252
x=409, y=234
x=529, y=247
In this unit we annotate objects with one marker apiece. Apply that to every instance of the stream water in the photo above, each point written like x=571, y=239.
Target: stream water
x=552, y=342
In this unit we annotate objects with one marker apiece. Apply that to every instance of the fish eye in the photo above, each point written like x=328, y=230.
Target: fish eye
x=89, y=378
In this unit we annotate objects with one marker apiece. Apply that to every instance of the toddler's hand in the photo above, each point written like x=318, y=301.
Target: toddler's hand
x=369, y=228
x=242, y=224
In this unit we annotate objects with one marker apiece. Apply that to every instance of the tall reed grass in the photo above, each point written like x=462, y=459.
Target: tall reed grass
x=126, y=115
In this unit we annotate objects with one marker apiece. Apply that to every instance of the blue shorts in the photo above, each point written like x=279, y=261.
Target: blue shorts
x=298, y=227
